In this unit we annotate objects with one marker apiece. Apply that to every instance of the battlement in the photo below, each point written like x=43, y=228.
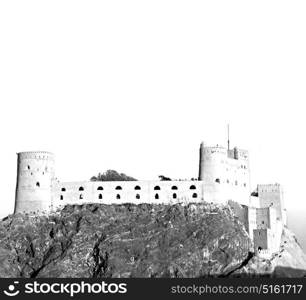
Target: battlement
x=235, y=153
x=238, y=154
x=269, y=188
x=214, y=150
x=39, y=155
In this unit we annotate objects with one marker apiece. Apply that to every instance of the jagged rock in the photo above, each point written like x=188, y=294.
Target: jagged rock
x=147, y=240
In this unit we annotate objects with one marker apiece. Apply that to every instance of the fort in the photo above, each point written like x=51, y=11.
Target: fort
x=224, y=178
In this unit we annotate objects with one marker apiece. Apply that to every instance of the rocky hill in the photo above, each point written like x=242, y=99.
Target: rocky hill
x=148, y=240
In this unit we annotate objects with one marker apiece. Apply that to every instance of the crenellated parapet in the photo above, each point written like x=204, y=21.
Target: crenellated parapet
x=36, y=155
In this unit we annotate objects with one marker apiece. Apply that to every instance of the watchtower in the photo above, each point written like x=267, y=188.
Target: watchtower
x=225, y=174
x=35, y=173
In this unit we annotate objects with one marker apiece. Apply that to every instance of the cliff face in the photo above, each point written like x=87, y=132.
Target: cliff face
x=130, y=241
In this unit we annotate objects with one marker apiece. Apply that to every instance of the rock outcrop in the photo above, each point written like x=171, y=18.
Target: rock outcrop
x=147, y=240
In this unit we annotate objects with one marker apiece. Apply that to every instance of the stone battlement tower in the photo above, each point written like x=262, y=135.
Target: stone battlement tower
x=225, y=174
x=35, y=174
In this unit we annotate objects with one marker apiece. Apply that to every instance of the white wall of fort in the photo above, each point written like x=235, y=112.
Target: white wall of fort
x=117, y=192
x=252, y=221
x=267, y=241
x=268, y=232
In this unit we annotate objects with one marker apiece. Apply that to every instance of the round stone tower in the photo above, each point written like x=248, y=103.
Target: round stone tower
x=225, y=174
x=35, y=173
x=212, y=163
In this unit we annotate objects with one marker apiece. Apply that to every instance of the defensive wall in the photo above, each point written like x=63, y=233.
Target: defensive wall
x=117, y=192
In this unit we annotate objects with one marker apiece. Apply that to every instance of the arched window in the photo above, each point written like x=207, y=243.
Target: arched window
x=156, y=196
x=174, y=196
x=62, y=197
x=100, y=196
x=137, y=196
x=37, y=184
x=174, y=187
x=63, y=189
x=118, y=196
x=81, y=196
x=194, y=195
x=100, y=188
x=156, y=188
x=192, y=187
x=118, y=187
x=137, y=187
x=81, y=188
x=29, y=168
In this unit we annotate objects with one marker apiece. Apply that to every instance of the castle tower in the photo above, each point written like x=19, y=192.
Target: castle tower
x=225, y=174
x=35, y=173
x=272, y=195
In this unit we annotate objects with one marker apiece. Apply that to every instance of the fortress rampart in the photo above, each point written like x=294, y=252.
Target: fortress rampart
x=117, y=192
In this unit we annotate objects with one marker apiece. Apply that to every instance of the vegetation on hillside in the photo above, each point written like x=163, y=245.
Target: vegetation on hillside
x=112, y=175
x=164, y=178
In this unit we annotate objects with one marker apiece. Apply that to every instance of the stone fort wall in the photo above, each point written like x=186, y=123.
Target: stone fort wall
x=117, y=192
x=262, y=225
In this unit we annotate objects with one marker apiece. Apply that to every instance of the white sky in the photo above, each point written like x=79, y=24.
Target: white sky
x=137, y=85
